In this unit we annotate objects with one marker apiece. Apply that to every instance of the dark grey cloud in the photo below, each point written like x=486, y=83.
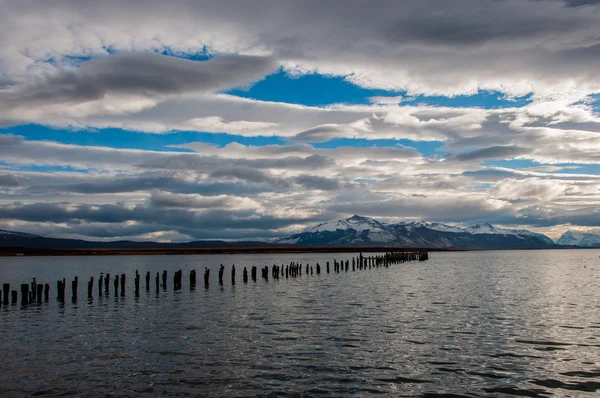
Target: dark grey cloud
x=166, y=217
x=207, y=163
x=248, y=175
x=317, y=182
x=494, y=152
x=9, y=180
x=142, y=74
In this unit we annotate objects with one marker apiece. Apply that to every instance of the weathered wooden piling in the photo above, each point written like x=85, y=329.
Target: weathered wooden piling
x=206, y=276
x=90, y=287
x=14, y=297
x=157, y=282
x=164, y=280
x=74, y=285
x=137, y=283
x=245, y=275
x=221, y=271
x=147, y=281
x=39, y=291
x=5, y=292
x=100, y=282
x=24, y=294
x=106, y=284
x=46, y=291
x=177, y=279
x=123, y=284
x=254, y=273
x=233, y=274
x=33, y=290
x=116, y=283
x=192, y=278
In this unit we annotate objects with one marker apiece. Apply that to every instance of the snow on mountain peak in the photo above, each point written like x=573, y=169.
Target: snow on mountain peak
x=355, y=222
x=576, y=238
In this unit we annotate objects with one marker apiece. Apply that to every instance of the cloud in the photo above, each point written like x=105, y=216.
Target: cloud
x=9, y=180
x=134, y=80
x=494, y=152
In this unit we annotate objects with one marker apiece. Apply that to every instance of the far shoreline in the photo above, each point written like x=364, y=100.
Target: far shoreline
x=30, y=252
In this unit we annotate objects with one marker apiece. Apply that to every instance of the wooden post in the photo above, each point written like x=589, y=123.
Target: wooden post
x=106, y=283
x=74, y=283
x=122, y=284
x=192, y=278
x=40, y=290
x=5, y=292
x=116, y=283
x=157, y=282
x=148, y=281
x=33, y=290
x=90, y=287
x=206, y=276
x=14, y=297
x=46, y=291
x=137, y=283
x=24, y=293
x=100, y=281
x=164, y=280
x=221, y=271
x=245, y=275
x=233, y=274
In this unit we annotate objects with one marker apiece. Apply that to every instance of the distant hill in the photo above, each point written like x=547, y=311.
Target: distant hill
x=581, y=239
x=20, y=239
x=365, y=231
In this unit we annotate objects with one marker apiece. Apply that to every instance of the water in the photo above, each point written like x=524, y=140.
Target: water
x=471, y=324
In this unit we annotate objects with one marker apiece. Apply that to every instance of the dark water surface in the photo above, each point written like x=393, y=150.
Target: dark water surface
x=523, y=323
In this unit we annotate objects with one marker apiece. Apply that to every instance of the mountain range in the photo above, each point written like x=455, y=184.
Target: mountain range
x=365, y=231
x=580, y=239
x=353, y=231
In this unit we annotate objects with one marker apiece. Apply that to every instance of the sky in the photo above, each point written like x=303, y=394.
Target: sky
x=186, y=120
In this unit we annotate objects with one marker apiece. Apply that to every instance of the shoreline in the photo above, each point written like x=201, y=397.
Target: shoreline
x=29, y=252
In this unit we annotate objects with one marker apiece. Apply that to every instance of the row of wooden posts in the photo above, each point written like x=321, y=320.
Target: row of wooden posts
x=33, y=292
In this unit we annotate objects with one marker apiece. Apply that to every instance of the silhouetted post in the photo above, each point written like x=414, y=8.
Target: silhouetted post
x=14, y=297
x=327, y=266
x=40, y=290
x=100, y=284
x=147, y=281
x=122, y=284
x=106, y=284
x=25, y=294
x=74, y=284
x=33, y=290
x=318, y=269
x=254, y=273
x=5, y=292
x=245, y=275
x=206, y=276
x=137, y=283
x=233, y=274
x=90, y=287
x=157, y=282
x=221, y=271
x=164, y=280
x=192, y=278
x=116, y=283
x=46, y=291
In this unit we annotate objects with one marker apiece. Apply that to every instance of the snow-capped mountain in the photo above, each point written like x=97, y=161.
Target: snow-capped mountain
x=366, y=231
x=574, y=238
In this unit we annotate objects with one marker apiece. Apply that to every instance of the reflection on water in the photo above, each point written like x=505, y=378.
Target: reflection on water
x=521, y=323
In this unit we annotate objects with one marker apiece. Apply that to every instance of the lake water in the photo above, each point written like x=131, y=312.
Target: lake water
x=521, y=323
